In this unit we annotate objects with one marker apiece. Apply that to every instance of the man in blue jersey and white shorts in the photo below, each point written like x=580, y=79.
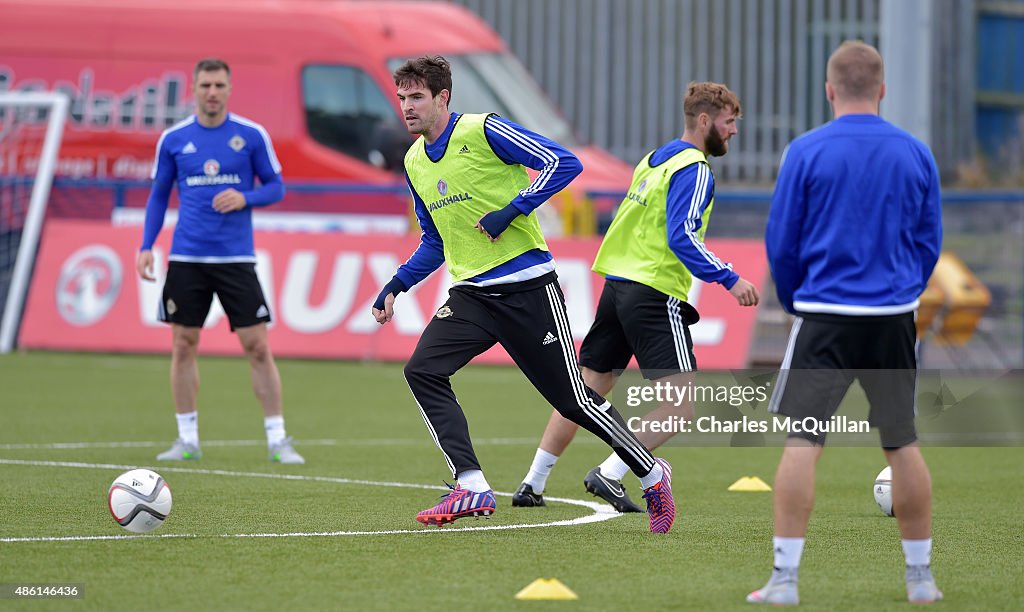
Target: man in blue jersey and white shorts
x=215, y=158
x=853, y=234
x=474, y=202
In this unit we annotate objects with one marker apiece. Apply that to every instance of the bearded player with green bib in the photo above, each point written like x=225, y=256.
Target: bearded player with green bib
x=652, y=251
x=474, y=201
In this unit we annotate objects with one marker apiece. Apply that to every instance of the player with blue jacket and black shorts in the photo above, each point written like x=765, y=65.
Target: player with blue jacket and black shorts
x=853, y=234
x=214, y=157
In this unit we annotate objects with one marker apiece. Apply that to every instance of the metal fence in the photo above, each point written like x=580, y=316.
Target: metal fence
x=619, y=68
x=984, y=229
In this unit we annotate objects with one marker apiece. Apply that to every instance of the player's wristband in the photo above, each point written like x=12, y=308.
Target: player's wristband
x=497, y=221
x=394, y=286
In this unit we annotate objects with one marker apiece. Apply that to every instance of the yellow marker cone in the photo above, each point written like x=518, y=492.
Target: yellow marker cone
x=546, y=588
x=750, y=484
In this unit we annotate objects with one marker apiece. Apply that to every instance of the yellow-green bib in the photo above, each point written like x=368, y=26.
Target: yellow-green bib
x=636, y=245
x=468, y=182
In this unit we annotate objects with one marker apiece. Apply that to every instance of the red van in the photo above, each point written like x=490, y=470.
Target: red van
x=315, y=73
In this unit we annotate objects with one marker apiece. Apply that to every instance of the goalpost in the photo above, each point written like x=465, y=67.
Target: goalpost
x=22, y=116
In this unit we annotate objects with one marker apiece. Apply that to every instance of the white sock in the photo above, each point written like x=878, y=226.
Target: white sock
x=653, y=477
x=614, y=468
x=188, y=427
x=918, y=552
x=274, y=426
x=537, y=477
x=788, y=552
x=474, y=481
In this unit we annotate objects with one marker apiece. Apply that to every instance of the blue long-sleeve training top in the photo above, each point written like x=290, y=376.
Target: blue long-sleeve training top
x=513, y=144
x=204, y=161
x=855, y=225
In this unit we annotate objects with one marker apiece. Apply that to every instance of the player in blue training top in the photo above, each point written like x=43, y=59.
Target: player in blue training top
x=649, y=257
x=853, y=234
x=215, y=158
x=474, y=201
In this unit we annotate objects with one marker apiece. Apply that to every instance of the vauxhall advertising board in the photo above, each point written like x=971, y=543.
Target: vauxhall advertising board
x=86, y=296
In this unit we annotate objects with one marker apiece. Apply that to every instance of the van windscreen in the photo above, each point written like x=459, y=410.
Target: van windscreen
x=347, y=111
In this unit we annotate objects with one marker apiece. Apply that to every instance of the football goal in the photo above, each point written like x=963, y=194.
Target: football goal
x=31, y=127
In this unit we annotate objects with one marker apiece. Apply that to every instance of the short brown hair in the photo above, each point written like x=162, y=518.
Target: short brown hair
x=431, y=70
x=710, y=98
x=210, y=64
x=855, y=71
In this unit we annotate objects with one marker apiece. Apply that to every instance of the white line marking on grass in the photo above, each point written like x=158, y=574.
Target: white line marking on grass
x=418, y=441
x=98, y=537
x=602, y=512
x=143, y=444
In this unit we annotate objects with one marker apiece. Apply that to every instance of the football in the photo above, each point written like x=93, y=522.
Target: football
x=139, y=500
x=883, y=491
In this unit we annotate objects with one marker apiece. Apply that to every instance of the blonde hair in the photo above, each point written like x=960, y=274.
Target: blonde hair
x=710, y=98
x=855, y=71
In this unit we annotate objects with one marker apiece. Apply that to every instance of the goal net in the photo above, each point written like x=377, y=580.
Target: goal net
x=31, y=126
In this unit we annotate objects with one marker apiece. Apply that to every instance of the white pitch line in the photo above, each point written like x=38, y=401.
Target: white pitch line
x=145, y=444
x=602, y=512
x=99, y=537
x=321, y=442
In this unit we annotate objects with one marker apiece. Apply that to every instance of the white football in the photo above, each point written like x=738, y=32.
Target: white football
x=883, y=491
x=139, y=500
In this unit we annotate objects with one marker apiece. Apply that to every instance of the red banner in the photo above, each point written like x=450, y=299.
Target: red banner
x=86, y=296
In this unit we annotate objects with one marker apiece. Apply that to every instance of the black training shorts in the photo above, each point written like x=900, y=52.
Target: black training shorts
x=189, y=289
x=634, y=319
x=826, y=353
